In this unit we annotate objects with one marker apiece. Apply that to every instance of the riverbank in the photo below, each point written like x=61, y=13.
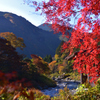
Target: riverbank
x=61, y=84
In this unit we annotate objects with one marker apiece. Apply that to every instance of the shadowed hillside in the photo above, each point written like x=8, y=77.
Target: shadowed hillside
x=38, y=41
x=48, y=27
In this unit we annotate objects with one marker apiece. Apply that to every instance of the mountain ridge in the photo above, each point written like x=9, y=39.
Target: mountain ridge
x=48, y=27
x=45, y=26
x=37, y=41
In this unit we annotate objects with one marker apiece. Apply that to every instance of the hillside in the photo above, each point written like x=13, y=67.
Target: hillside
x=47, y=27
x=38, y=41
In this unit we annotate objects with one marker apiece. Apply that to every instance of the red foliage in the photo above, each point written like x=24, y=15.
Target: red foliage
x=86, y=33
x=35, y=56
x=9, y=85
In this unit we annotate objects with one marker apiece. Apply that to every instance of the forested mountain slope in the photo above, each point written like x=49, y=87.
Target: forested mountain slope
x=38, y=41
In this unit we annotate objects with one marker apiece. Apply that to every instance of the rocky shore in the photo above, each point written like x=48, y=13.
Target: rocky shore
x=61, y=83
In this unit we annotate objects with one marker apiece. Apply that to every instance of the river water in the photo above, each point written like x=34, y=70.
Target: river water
x=71, y=84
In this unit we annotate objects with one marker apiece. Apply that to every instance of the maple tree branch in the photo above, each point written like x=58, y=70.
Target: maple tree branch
x=74, y=54
x=71, y=56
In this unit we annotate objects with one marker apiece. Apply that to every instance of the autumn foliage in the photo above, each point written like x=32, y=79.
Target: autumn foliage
x=40, y=64
x=86, y=32
x=12, y=38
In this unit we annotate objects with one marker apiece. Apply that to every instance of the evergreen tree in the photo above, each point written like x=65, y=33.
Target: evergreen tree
x=48, y=58
x=58, y=50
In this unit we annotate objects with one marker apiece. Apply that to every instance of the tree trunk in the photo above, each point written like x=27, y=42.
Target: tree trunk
x=84, y=78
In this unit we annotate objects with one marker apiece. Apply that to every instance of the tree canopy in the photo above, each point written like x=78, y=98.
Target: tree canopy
x=9, y=58
x=12, y=38
x=48, y=58
x=86, y=32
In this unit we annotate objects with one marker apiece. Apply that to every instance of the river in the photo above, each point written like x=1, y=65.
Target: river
x=53, y=91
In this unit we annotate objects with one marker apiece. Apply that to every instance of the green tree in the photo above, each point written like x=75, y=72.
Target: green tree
x=58, y=50
x=48, y=58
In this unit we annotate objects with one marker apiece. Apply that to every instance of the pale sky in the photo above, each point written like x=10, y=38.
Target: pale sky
x=23, y=9
x=18, y=7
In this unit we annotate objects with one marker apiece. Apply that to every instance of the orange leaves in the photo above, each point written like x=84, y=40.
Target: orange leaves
x=40, y=64
x=61, y=68
x=26, y=94
x=3, y=90
x=15, y=42
x=16, y=96
x=52, y=65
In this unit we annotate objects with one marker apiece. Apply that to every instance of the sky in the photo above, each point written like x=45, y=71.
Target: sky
x=22, y=9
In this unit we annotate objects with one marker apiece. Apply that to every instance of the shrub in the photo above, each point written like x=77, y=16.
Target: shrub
x=90, y=93
x=63, y=95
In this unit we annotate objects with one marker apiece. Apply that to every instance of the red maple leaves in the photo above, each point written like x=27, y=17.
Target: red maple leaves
x=86, y=33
